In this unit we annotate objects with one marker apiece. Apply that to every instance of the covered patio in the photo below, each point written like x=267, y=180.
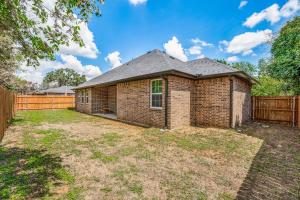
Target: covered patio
x=104, y=101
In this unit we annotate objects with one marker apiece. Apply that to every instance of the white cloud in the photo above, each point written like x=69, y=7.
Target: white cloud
x=290, y=8
x=114, y=59
x=233, y=59
x=89, y=49
x=195, y=50
x=198, y=46
x=199, y=42
x=136, y=2
x=273, y=13
x=68, y=61
x=174, y=48
x=244, y=43
x=223, y=45
x=243, y=4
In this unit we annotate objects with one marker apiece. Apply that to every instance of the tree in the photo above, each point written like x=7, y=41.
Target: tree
x=263, y=67
x=38, y=28
x=8, y=61
x=269, y=86
x=64, y=77
x=245, y=67
x=285, y=61
x=242, y=66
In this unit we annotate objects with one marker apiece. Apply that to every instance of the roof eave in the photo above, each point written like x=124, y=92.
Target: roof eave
x=158, y=74
x=177, y=73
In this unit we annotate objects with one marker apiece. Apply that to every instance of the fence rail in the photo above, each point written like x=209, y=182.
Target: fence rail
x=7, y=109
x=283, y=109
x=41, y=102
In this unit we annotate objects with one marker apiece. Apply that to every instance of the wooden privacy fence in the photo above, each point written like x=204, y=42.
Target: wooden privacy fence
x=42, y=102
x=7, y=109
x=284, y=109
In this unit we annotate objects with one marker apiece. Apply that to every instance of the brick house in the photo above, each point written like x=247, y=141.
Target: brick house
x=159, y=90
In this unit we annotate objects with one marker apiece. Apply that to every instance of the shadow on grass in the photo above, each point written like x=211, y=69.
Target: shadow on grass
x=27, y=174
x=275, y=170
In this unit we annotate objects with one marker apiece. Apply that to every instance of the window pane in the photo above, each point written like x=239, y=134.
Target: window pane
x=156, y=100
x=157, y=86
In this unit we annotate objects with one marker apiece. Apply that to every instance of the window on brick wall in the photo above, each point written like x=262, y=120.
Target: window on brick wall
x=82, y=96
x=86, y=96
x=156, y=93
x=78, y=96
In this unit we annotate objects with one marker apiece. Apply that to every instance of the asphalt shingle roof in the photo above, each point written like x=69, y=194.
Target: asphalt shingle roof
x=157, y=61
x=58, y=90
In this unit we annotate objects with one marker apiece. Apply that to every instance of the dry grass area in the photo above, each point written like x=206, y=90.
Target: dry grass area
x=68, y=155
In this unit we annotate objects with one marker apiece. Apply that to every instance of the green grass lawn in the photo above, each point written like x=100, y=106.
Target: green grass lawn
x=63, y=154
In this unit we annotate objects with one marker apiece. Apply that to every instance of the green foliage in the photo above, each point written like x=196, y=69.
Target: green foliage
x=64, y=77
x=38, y=29
x=269, y=86
x=286, y=55
x=245, y=67
x=103, y=157
x=136, y=188
x=242, y=66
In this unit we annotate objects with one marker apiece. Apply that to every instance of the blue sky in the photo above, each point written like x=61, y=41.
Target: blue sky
x=129, y=28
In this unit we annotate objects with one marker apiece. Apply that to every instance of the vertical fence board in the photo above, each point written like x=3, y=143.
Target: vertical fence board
x=43, y=102
x=282, y=109
x=7, y=109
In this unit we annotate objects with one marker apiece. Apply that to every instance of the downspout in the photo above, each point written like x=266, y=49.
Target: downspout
x=166, y=100
x=231, y=104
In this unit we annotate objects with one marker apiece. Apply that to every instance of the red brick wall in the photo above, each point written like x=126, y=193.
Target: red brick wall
x=241, y=102
x=190, y=102
x=85, y=107
x=180, y=102
x=133, y=104
x=212, y=102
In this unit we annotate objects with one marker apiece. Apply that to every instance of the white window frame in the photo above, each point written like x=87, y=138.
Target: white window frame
x=79, y=96
x=159, y=79
x=86, y=96
x=82, y=96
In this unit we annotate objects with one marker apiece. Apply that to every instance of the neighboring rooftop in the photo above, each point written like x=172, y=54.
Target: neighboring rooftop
x=155, y=62
x=58, y=90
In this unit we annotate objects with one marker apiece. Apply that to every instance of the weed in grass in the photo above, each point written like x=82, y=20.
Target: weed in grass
x=74, y=193
x=201, y=196
x=51, y=137
x=111, y=138
x=106, y=189
x=225, y=196
x=136, y=188
x=120, y=174
x=104, y=158
x=127, y=151
x=64, y=175
x=28, y=140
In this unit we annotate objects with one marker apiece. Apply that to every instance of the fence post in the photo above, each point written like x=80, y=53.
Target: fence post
x=298, y=111
x=293, y=111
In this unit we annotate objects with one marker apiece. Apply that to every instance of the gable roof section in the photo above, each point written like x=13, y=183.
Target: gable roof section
x=157, y=62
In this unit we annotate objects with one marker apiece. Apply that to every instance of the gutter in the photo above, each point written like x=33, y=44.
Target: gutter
x=231, y=104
